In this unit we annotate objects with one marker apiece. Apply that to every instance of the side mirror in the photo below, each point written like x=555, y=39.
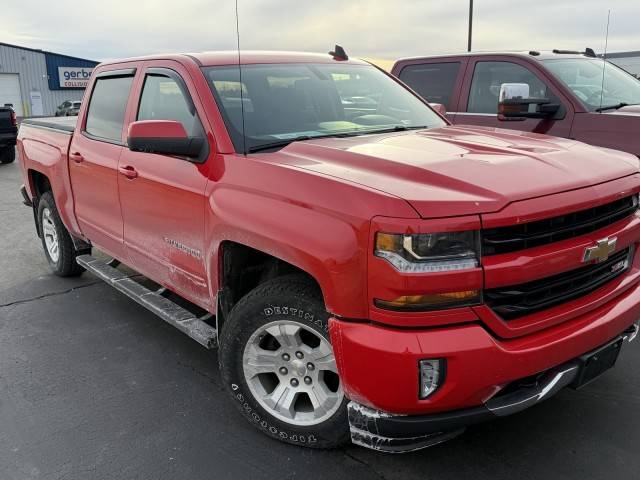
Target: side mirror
x=163, y=136
x=440, y=108
x=514, y=104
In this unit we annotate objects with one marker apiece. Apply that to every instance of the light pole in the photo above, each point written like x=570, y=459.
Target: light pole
x=470, y=24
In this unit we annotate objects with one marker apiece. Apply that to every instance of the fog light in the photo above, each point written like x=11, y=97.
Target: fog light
x=431, y=376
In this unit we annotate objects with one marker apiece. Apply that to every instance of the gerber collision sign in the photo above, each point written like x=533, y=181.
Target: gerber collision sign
x=74, y=77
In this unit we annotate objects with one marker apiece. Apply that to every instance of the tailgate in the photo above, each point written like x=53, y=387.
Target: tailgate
x=6, y=125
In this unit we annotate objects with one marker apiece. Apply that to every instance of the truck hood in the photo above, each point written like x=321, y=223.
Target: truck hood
x=460, y=170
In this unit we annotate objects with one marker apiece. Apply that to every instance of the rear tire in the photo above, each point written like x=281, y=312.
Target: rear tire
x=56, y=241
x=7, y=155
x=278, y=365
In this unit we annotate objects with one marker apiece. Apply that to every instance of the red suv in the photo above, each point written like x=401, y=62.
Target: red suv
x=570, y=94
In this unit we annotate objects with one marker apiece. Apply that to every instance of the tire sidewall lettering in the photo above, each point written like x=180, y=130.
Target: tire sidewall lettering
x=296, y=313
x=266, y=426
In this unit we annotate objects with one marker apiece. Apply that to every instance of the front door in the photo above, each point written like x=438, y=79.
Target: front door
x=482, y=87
x=93, y=161
x=163, y=206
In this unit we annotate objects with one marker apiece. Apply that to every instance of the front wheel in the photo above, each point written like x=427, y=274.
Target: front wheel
x=56, y=241
x=278, y=364
x=7, y=155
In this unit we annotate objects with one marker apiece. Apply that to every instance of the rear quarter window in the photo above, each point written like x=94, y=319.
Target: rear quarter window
x=432, y=81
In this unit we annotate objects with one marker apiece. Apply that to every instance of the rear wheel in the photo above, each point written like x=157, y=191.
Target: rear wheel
x=56, y=241
x=7, y=155
x=278, y=364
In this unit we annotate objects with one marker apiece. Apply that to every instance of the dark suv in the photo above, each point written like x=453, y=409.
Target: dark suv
x=8, y=134
x=68, y=109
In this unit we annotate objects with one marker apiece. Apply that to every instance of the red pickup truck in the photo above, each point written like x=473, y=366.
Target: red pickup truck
x=568, y=94
x=369, y=272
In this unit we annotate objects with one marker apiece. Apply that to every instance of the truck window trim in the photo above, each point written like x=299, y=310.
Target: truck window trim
x=122, y=72
x=102, y=139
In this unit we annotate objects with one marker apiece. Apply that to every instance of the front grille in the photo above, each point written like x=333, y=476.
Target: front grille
x=542, y=232
x=516, y=301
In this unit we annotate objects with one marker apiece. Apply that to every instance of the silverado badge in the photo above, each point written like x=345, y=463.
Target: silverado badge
x=601, y=251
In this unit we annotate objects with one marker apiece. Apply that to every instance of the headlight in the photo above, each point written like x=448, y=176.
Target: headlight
x=430, y=252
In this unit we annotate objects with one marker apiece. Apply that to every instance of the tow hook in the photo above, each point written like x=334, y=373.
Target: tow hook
x=631, y=333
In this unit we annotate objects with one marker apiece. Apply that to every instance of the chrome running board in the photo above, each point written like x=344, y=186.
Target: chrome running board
x=153, y=301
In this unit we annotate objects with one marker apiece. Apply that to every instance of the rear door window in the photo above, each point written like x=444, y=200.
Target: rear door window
x=105, y=116
x=432, y=81
x=488, y=77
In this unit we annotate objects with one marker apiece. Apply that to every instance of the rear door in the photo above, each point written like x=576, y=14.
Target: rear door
x=436, y=80
x=163, y=206
x=94, y=155
x=481, y=87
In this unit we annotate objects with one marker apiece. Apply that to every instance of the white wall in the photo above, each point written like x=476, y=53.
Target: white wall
x=32, y=69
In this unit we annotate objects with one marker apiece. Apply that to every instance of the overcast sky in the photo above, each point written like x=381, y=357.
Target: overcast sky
x=381, y=29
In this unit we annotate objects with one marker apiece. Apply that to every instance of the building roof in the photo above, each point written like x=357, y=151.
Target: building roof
x=3, y=44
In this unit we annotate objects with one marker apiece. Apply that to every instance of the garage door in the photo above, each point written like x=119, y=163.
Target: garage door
x=10, y=91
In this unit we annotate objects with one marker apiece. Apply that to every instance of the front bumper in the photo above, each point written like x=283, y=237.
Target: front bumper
x=378, y=367
x=383, y=431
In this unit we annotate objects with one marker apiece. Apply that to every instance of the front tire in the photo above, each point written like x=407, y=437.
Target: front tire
x=8, y=155
x=278, y=364
x=56, y=241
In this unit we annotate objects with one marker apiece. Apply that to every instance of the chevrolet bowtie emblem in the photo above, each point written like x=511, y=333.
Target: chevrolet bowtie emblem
x=601, y=251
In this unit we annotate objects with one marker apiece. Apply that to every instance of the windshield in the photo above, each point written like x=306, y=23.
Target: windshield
x=584, y=77
x=287, y=102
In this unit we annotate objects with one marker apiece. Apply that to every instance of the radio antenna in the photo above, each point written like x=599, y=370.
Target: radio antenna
x=604, y=58
x=244, y=140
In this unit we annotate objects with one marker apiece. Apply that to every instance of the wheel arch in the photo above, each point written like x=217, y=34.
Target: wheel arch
x=38, y=184
x=241, y=268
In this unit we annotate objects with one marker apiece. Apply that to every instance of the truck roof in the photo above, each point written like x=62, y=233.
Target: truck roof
x=247, y=57
x=533, y=54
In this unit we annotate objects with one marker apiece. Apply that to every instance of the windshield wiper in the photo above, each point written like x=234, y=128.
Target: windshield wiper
x=396, y=128
x=355, y=133
x=278, y=144
x=612, y=107
x=284, y=143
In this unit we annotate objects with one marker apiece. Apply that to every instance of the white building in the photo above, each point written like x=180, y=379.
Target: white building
x=35, y=82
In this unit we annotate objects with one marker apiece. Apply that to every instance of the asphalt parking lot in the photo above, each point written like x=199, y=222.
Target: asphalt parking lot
x=92, y=386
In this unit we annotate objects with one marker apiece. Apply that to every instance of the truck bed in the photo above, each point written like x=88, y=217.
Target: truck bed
x=63, y=124
x=43, y=147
